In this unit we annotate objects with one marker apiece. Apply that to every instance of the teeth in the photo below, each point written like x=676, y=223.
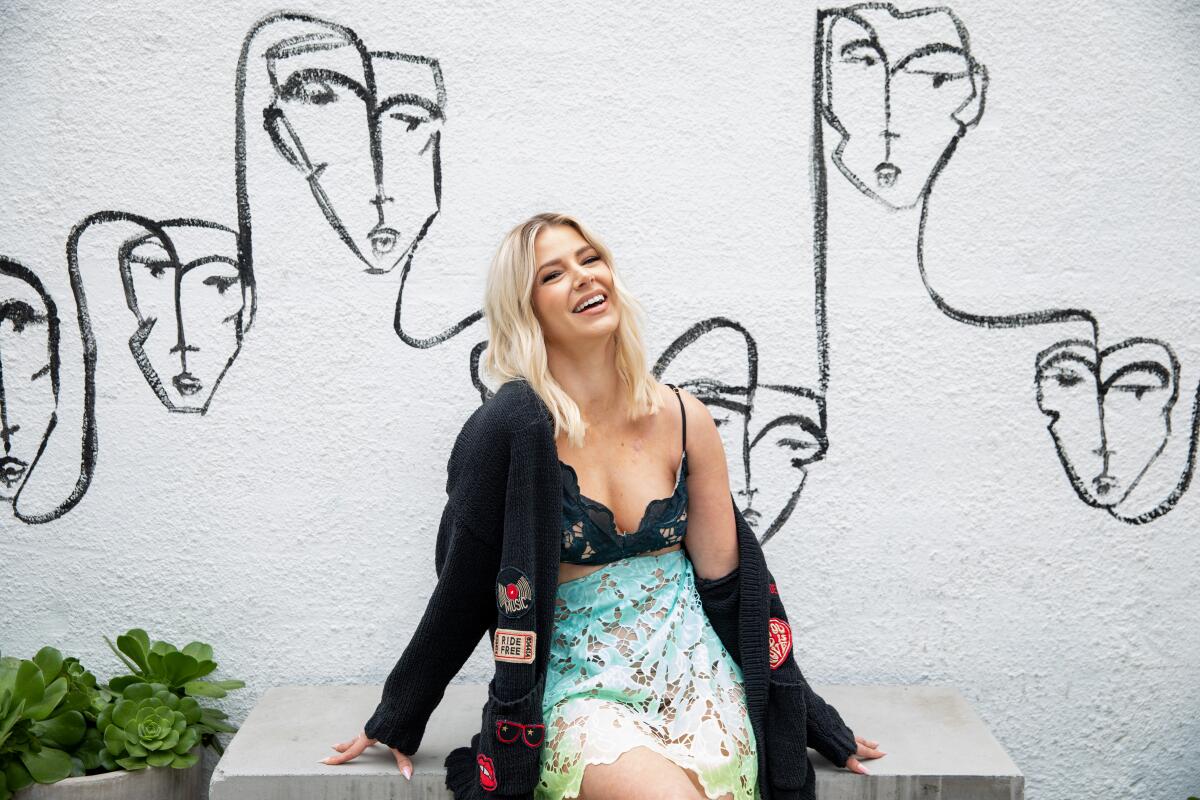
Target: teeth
x=597, y=299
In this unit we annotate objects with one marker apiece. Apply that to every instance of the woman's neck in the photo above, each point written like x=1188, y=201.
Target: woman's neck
x=589, y=375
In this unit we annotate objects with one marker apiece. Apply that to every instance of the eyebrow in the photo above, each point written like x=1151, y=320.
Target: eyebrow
x=930, y=49
x=307, y=43
x=21, y=312
x=555, y=262
x=1066, y=355
x=848, y=46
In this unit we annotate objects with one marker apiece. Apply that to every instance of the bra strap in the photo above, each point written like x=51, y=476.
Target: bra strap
x=682, y=414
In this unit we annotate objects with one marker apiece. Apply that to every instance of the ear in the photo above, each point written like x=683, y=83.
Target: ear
x=284, y=138
x=969, y=113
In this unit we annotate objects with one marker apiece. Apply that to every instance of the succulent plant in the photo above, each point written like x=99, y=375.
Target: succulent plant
x=179, y=671
x=39, y=721
x=150, y=726
x=57, y=720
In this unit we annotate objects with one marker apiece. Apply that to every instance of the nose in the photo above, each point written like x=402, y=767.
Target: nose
x=6, y=432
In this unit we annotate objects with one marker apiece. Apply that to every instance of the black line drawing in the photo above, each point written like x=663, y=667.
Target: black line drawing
x=190, y=298
x=717, y=360
x=29, y=392
x=362, y=127
x=900, y=90
x=1109, y=411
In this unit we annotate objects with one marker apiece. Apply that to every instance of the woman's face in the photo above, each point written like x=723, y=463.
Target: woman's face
x=569, y=273
x=27, y=399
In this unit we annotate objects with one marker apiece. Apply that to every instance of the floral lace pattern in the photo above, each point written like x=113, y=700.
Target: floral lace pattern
x=634, y=662
x=590, y=533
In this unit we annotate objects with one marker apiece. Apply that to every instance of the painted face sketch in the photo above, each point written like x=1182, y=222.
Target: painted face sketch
x=1110, y=412
x=28, y=375
x=363, y=129
x=183, y=286
x=900, y=89
x=781, y=448
x=717, y=361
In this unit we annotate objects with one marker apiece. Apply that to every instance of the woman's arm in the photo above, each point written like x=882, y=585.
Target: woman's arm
x=459, y=613
x=711, y=533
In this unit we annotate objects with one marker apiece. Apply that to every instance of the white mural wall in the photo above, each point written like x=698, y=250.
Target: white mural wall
x=932, y=270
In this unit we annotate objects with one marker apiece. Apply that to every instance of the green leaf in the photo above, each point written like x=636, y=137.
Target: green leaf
x=123, y=712
x=135, y=644
x=138, y=691
x=51, y=697
x=114, y=740
x=179, y=667
x=199, y=651
x=17, y=776
x=122, y=682
x=63, y=731
x=30, y=685
x=185, y=761
x=49, y=661
x=48, y=765
x=132, y=764
x=8, y=673
x=203, y=689
x=190, y=738
x=231, y=684
x=160, y=759
x=8, y=720
x=154, y=661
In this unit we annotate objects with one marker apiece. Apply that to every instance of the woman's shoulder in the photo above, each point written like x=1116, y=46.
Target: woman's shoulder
x=513, y=408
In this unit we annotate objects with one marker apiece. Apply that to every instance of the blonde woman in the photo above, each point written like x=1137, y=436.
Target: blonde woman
x=641, y=647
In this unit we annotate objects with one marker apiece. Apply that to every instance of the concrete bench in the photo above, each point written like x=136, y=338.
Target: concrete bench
x=937, y=747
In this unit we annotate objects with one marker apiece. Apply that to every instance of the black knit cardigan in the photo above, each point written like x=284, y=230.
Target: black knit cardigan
x=505, y=512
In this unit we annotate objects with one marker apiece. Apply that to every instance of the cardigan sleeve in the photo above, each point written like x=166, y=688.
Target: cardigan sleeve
x=458, y=614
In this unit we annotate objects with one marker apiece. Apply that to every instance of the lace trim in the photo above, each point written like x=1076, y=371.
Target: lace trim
x=590, y=532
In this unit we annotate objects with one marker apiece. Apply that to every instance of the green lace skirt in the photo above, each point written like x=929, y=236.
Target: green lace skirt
x=634, y=662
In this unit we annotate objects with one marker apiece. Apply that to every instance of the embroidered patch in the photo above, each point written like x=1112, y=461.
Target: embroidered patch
x=515, y=647
x=514, y=593
x=774, y=590
x=508, y=731
x=487, y=773
x=781, y=641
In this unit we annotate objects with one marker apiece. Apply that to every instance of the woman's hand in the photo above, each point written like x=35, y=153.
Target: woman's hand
x=867, y=750
x=348, y=751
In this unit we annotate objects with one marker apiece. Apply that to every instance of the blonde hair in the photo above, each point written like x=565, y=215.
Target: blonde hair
x=517, y=349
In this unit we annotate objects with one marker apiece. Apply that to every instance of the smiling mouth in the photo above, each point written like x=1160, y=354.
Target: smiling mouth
x=593, y=307
x=187, y=383
x=886, y=174
x=383, y=240
x=11, y=470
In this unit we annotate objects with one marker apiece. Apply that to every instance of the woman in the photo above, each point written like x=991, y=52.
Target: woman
x=661, y=671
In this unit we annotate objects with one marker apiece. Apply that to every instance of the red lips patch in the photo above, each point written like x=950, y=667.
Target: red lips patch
x=487, y=773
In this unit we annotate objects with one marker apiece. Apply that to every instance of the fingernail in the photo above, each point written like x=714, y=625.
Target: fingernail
x=407, y=773
x=323, y=761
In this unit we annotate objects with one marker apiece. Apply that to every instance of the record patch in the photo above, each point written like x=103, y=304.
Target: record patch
x=514, y=593
x=514, y=647
x=781, y=641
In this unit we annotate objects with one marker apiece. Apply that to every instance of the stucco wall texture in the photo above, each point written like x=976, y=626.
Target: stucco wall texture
x=939, y=541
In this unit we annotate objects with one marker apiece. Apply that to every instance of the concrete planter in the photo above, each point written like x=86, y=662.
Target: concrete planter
x=154, y=783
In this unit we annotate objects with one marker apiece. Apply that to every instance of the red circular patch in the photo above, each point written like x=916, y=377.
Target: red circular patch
x=487, y=773
x=781, y=641
x=512, y=591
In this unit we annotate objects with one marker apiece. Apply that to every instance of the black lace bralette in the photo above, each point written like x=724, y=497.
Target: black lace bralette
x=590, y=533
